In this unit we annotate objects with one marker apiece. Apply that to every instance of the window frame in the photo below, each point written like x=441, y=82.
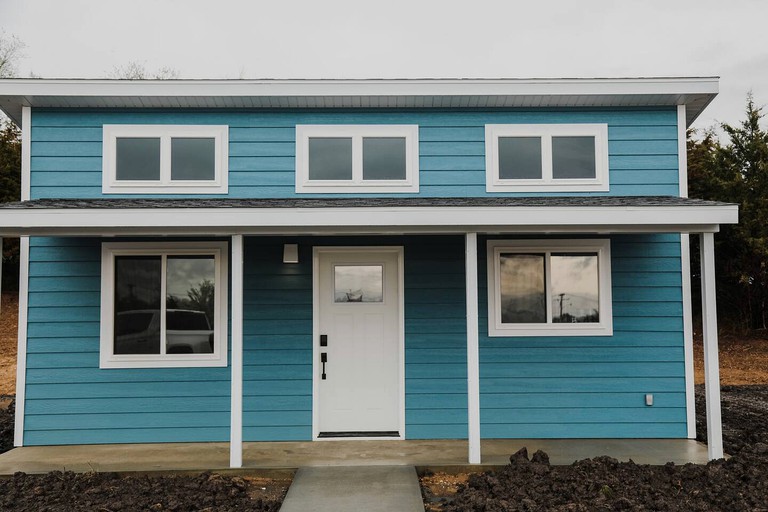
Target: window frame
x=547, y=183
x=357, y=184
x=165, y=185
x=601, y=246
x=109, y=251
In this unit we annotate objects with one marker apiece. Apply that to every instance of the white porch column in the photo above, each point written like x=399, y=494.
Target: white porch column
x=473, y=351
x=236, y=415
x=711, y=364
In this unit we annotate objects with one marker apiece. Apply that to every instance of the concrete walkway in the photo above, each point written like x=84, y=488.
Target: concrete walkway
x=354, y=488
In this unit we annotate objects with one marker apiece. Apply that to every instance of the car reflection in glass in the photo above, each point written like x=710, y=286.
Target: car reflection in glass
x=186, y=332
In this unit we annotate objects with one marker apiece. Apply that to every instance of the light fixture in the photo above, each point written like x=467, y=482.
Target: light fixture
x=290, y=253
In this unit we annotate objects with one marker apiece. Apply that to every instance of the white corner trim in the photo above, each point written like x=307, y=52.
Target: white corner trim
x=682, y=151
x=711, y=359
x=690, y=391
x=107, y=358
x=357, y=184
x=473, y=350
x=165, y=185
x=601, y=246
x=547, y=183
x=236, y=406
x=21, y=358
x=26, y=152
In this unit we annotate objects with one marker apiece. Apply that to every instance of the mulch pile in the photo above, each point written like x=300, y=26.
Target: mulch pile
x=105, y=492
x=6, y=425
x=603, y=483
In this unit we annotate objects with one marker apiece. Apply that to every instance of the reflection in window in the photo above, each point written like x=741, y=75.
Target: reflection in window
x=573, y=157
x=137, y=304
x=575, y=288
x=523, y=298
x=190, y=303
x=358, y=283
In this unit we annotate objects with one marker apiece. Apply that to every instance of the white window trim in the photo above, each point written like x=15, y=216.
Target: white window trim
x=547, y=183
x=603, y=249
x=357, y=184
x=110, y=184
x=108, y=359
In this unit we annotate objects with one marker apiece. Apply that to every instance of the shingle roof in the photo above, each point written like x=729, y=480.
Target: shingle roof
x=366, y=202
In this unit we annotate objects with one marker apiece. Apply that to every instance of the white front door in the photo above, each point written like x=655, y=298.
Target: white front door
x=358, y=343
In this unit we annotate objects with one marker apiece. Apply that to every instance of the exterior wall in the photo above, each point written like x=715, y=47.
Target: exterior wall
x=69, y=400
x=591, y=387
x=277, y=360
x=67, y=147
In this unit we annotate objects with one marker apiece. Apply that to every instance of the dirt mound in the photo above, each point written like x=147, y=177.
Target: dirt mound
x=604, y=483
x=68, y=491
x=7, y=413
x=738, y=484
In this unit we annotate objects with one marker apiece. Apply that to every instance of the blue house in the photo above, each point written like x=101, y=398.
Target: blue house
x=240, y=260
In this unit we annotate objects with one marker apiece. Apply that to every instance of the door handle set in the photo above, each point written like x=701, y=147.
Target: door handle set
x=323, y=355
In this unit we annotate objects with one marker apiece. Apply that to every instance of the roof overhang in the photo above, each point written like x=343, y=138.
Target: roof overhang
x=229, y=217
x=696, y=93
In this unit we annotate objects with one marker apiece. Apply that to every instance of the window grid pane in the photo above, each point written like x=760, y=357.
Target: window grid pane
x=520, y=158
x=193, y=158
x=384, y=158
x=137, y=304
x=575, y=288
x=573, y=158
x=137, y=159
x=330, y=158
x=358, y=283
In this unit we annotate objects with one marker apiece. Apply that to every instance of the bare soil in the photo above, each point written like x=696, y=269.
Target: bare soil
x=9, y=310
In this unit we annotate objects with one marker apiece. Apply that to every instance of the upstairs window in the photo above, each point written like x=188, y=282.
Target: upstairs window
x=549, y=288
x=165, y=159
x=357, y=158
x=546, y=157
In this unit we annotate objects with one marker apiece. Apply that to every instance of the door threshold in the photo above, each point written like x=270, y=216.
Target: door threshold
x=375, y=433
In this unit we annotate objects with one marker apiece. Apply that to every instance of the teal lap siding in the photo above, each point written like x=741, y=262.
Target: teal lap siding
x=69, y=400
x=595, y=386
x=66, y=159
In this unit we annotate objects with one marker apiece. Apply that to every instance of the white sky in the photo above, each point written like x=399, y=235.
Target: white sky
x=404, y=39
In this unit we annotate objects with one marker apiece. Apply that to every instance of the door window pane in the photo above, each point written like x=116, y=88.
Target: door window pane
x=519, y=158
x=384, y=158
x=193, y=159
x=330, y=158
x=573, y=157
x=358, y=283
x=137, y=158
x=190, y=304
x=523, y=299
x=575, y=288
x=137, y=304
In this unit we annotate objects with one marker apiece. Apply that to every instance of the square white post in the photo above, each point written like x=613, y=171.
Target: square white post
x=473, y=351
x=236, y=414
x=711, y=364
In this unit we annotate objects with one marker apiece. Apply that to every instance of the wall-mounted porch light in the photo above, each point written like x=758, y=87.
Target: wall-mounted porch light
x=290, y=253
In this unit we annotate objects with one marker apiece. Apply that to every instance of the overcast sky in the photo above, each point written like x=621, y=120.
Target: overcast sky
x=403, y=39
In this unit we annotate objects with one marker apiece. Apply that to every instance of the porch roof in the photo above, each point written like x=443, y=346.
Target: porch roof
x=211, y=216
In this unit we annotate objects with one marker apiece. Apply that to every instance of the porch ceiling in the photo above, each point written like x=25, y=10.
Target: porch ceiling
x=114, y=217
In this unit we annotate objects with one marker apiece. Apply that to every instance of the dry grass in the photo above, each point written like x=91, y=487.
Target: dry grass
x=743, y=359
x=8, y=333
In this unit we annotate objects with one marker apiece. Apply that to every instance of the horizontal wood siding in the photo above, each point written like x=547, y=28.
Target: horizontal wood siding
x=67, y=147
x=69, y=400
x=277, y=387
x=595, y=386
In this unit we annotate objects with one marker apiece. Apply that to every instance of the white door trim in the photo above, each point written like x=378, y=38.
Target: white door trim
x=316, y=251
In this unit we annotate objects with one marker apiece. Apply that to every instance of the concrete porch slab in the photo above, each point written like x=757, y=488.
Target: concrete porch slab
x=277, y=455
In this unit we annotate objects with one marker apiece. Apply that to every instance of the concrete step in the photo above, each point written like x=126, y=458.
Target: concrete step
x=354, y=488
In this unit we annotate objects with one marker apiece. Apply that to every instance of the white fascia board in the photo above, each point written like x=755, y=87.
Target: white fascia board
x=444, y=219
